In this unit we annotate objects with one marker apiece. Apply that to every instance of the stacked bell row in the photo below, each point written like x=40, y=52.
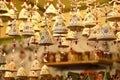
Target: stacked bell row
x=10, y=68
x=30, y=19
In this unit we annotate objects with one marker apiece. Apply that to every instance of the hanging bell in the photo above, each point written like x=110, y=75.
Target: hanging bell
x=59, y=26
x=46, y=38
x=89, y=20
x=71, y=35
x=51, y=10
x=14, y=31
x=75, y=22
x=24, y=13
x=12, y=66
x=36, y=65
x=4, y=67
x=3, y=7
x=21, y=72
x=9, y=75
x=36, y=17
x=106, y=33
x=94, y=33
x=86, y=32
x=28, y=29
x=45, y=70
x=114, y=15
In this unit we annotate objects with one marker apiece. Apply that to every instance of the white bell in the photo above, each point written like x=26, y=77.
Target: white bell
x=86, y=32
x=4, y=67
x=36, y=17
x=3, y=7
x=45, y=70
x=106, y=33
x=9, y=75
x=94, y=33
x=59, y=26
x=28, y=29
x=21, y=72
x=89, y=20
x=114, y=15
x=46, y=38
x=75, y=22
x=51, y=10
x=12, y=66
x=24, y=13
x=36, y=65
x=71, y=35
x=14, y=31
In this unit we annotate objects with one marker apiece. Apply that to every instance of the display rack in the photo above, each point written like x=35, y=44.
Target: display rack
x=89, y=62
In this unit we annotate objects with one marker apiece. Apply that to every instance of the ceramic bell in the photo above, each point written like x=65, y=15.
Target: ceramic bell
x=12, y=11
x=28, y=29
x=14, y=31
x=35, y=65
x=59, y=26
x=51, y=10
x=33, y=75
x=36, y=17
x=6, y=16
x=24, y=13
x=46, y=38
x=115, y=26
x=106, y=33
x=89, y=20
x=9, y=76
x=4, y=67
x=75, y=22
x=12, y=66
x=86, y=32
x=3, y=7
x=21, y=73
x=71, y=35
x=12, y=14
x=114, y=15
x=45, y=70
x=94, y=32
